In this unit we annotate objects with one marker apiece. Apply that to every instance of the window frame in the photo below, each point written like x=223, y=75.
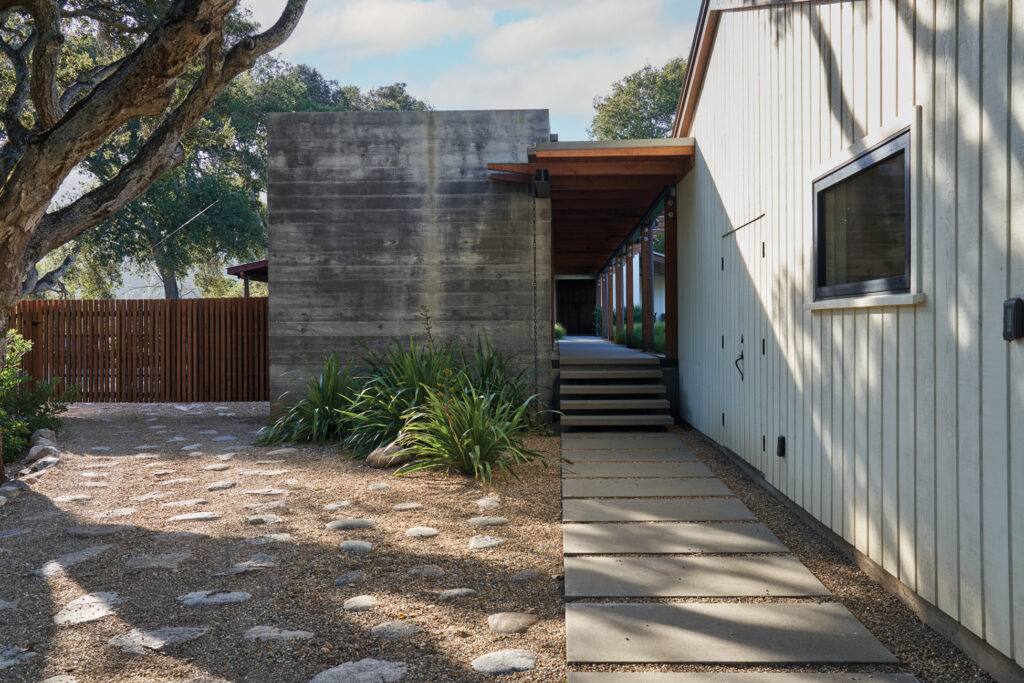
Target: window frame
x=899, y=284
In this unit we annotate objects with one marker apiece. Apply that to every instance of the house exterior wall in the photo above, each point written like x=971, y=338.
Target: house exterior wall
x=904, y=425
x=374, y=215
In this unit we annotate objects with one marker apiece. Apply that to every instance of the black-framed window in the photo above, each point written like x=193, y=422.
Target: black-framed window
x=862, y=223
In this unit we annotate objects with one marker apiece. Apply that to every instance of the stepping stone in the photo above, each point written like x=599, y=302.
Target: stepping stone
x=224, y=438
x=257, y=520
x=421, y=532
x=705, y=677
x=94, y=484
x=162, y=473
x=98, y=449
x=395, y=629
x=488, y=521
x=217, y=467
x=268, y=492
x=637, y=488
x=225, y=456
x=147, y=456
x=57, y=567
x=152, y=496
x=656, y=510
x=221, y=485
x=609, y=440
x=505, y=662
x=192, y=447
x=356, y=547
x=613, y=455
x=166, y=561
x=119, y=512
x=456, y=593
x=405, y=507
x=511, y=622
x=282, y=451
x=9, y=656
x=11, y=533
x=207, y=431
x=669, y=539
x=272, y=505
x=273, y=633
x=195, y=517
x=254, y=563
x=349, y=524
x=484, y=542
x=95, y=530
x=636, y=470
x=268, y=462
x=269, y=538
x=331, y=507
x=175, y=482
x=73, y=498
x=208, y=598
x=175, y=439
x=87, y=608
x=191, y=502
x=369, y=670
x=488, y=503
x=719, y=633
x=668, y=577
x=350, y=578
x=95, y=475
x=138, y=642
x=428, y=571
x=526, y=576
x=378, y=487
x=360, y=603
x=176, y=536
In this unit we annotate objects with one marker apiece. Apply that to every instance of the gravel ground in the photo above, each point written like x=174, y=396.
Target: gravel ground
x=922, y=651
x=297, y=594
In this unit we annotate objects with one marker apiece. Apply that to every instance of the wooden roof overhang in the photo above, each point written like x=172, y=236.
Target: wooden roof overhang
x=257, y=271
x=599, y=190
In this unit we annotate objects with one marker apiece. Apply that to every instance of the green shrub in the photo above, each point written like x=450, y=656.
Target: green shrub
x=598, y=320
x=636, y=339
x=26, y=405
x=491, y=371
x=559, y=331
x=318, y=414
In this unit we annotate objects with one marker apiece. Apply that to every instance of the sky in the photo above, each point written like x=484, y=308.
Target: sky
x=489, y=54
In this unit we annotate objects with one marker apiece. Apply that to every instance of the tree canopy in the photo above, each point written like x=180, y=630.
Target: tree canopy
x=641, y=105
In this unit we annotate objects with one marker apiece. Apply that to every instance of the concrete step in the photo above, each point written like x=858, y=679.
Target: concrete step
x=735, y=677
x=669, y=538
x=614, y=404
x=611, y=389
x=635, y=470
x=598, y=373
x=656, y=510
x=609, y=360
x=615, y=420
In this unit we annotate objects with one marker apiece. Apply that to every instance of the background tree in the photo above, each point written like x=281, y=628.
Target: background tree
x=641, y=105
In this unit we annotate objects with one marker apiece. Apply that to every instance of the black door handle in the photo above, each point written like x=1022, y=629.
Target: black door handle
x=737, y=364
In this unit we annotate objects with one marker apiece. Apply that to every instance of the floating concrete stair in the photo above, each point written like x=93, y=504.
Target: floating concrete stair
x=607, y=373
x=616, y=420
x=615, y=404
x=612, y=389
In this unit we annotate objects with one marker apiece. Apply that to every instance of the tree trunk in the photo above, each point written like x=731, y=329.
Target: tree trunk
x=5, y=319
x=170, y=284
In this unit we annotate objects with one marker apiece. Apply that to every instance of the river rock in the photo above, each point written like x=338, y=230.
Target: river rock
x=56, y=567
x=511, y=622
x=94, y=530
x=257, y=520
x=360, y=603
x=349, y=524
x=356, y=547
x=331, y=507
x=254, y=563
x=395, y=629
x=488, y=521
x=391, y=455
x=405, y=507
x=428, y=571
x=526, y=576
x=422, y=532
x=505, y=662
x=221, y=485
x=165, y=561
x=87, y=608
x=37, y=453
x=350, y=578
x=138, y=642
x=47, y=434
x=363, y=671
x=273, y=633
x=455, y=593
x=208, y=598
x=195, y=517
x=485, y=542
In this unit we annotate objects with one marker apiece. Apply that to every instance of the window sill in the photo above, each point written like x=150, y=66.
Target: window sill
x=876, y=301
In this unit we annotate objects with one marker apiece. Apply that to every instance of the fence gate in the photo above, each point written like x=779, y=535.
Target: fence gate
x=150, y=350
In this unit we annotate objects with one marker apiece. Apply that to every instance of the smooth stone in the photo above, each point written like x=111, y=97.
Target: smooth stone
x=356, y=546
x=331, y=507
x=360, y=603
x=395, y=629
x=42, y=433
x=118, y=512
x=16, y=485
x=37, y=453
x=173, y=439
x=391, y=455
x=274, y=633
x=378, y=487
x=429, y=571
x=668, y=538
x=165, y=561
x=94, y=484
x=348, y=524
x=217, y=467
x=405, y=507
x=57, y=567
x=282, y=451
x=272, y=505
x=349, y=578
x=73, y=498
x=511, y=622
x=269, y=538
x=221, y=485
x=176, y=536
x=87, y=608
x=192, y=447
x=225, y=456
x=364, y=671
x=147, y=456
x=191, y=502
x=162, y=473
x=422, y=532
x=257, y=520
x=60, y=679
x=455, y=593
x=488, y=521
x=484, y=542
x=175, y=482
x=526, y=576
x=44, y=463
x=739, y=677
x=3, y=501
x=102, y=449
x=268, y=462
x=207, y=598
x=505, y=662
x=206, y=432
x=9, y=656
x=138, y=642
x=488, y=503
x=4, y=604
x=254, y=563
x=94, y=530
x=224, y=438
x=94, y=475
x=151, y=496
x=267, y=492
x=195, y=517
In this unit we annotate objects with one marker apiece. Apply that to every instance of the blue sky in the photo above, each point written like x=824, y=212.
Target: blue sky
x=489, y=54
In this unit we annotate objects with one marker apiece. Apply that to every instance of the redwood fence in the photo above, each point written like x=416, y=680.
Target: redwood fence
x=149, y=350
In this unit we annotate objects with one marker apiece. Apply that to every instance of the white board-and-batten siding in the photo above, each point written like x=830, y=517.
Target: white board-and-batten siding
x=904, y=425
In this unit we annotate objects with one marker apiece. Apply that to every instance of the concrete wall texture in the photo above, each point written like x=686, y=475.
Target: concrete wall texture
x=375, y=215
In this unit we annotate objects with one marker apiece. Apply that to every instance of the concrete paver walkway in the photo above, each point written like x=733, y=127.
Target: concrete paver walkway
x=643, y=520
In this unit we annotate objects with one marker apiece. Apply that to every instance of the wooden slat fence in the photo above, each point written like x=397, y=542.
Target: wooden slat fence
x=150, y=350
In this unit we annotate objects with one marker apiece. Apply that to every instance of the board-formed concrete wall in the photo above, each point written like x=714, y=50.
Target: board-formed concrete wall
x=375, y=215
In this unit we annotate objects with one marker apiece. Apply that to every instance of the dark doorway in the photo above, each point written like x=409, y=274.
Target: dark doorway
x=574, y=305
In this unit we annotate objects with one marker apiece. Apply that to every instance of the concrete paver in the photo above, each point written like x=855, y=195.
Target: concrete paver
x=642, y=488
x=577, y=455
x=744, y=677
x=669, y=538
x=655, y=510
x=636, y=470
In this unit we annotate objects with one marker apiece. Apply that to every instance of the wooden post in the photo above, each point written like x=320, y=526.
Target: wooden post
x=606, y=311
x=647, y=287
x=671, y=277
x=629, y=293
x=597, y=298
x=619, y=318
